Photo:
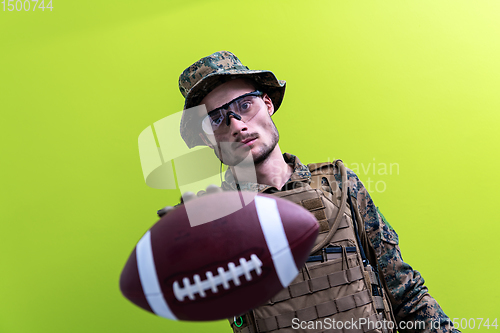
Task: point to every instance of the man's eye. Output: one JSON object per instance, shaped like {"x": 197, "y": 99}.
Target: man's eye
{"x": 215, "y": 118}
{"x": 245, "y": 106}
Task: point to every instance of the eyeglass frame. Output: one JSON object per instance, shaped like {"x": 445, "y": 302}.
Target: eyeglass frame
{"x": 256, "y": 93}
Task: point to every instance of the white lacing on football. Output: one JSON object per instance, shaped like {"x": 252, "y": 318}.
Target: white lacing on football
{"x": 222, "y": 278}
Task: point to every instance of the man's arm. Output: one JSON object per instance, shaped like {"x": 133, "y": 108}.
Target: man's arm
{"x": 411, "y": 300}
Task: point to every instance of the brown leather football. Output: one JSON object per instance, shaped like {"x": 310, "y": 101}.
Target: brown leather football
{"x": 218, "y": 256}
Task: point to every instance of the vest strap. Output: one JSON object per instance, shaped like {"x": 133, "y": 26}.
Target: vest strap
{"x": 340, "y": 214}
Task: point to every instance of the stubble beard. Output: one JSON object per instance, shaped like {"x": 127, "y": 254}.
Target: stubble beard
{"x": 266, "y": 150}
{"x": 230, "y": 159}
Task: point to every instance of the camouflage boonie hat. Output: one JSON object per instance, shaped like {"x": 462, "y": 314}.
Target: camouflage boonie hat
{"x": 206, "y": 74}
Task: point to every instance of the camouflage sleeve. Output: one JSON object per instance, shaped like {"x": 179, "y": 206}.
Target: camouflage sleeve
{"x": 411, "y": 300}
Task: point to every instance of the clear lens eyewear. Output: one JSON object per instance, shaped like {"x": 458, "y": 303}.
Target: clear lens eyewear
{"x": 243, "y": 108}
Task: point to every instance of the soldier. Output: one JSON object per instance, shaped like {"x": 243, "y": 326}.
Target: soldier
{"x": 240, "y": 103}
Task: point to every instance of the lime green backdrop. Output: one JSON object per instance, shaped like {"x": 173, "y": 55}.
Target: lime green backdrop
{"x": 412, "y": 85}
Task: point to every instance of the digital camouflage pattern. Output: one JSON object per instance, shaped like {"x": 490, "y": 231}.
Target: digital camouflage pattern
{"x": 203, "y": 76}
{"x": 410, "y": 298}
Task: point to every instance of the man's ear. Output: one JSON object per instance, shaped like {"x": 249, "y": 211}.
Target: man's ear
{"x": 269, "y": 103}
{"x": 206, "y": 140}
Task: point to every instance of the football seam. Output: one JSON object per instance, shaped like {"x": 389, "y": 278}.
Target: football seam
{"x": 213, "y": 282}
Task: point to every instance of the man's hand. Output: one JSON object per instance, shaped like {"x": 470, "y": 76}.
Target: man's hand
{"x": 187, "y": 196}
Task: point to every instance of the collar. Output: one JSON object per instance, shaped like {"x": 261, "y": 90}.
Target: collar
{"x": 300, "y": 172}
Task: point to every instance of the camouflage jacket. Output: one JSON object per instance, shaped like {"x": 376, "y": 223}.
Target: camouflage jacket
{"x": 411, "y": 300}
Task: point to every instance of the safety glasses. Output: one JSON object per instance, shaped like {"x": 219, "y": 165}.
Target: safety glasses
{"x": 243, "y": 108}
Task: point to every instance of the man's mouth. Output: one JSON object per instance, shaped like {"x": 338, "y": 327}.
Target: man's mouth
{"x": 248, "y": 141}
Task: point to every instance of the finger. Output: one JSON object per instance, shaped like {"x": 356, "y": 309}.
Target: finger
{"x": 188, "y": 196}
{"x": 164, "y": 211}
{"x": 213, "y": 189}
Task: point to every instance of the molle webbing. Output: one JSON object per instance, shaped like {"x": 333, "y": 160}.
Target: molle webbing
{"x": 319, "y": 283}
{"x": 342, "y": 304}
{"x": 361, "y": 328}
{"x": 325, "y": 253}
{"x": 317, "y": 208}
{"x": 302, "y": 194}
{"x": 311, "y": 199}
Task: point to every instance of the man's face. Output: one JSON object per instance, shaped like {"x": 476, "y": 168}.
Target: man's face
{"x": 234, "y": 142}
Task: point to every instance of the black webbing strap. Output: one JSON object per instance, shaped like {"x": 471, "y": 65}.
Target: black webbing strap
{"x": 333, "y": 249}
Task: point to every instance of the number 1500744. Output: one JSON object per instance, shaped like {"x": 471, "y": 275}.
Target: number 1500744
{"x": 472, "y": 323}
{"x": 26, "y": 5}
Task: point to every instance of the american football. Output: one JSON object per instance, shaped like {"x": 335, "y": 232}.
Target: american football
{"x": 218, "y": 256}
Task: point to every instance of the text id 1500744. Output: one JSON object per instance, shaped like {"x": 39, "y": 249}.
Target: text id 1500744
{"x": 26, "y": 5}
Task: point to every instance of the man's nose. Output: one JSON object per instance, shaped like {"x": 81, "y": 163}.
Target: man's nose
{"x": 231, "y": 113}
{"x": 236, "y": 124}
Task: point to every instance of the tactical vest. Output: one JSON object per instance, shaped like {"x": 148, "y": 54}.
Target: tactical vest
{"x": 337, "y": 282}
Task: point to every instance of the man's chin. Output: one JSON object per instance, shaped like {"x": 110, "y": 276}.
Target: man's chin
{"x": 237, "y": 156}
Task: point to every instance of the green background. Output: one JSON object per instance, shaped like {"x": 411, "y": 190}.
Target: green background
{"x": 389, "y": 81}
